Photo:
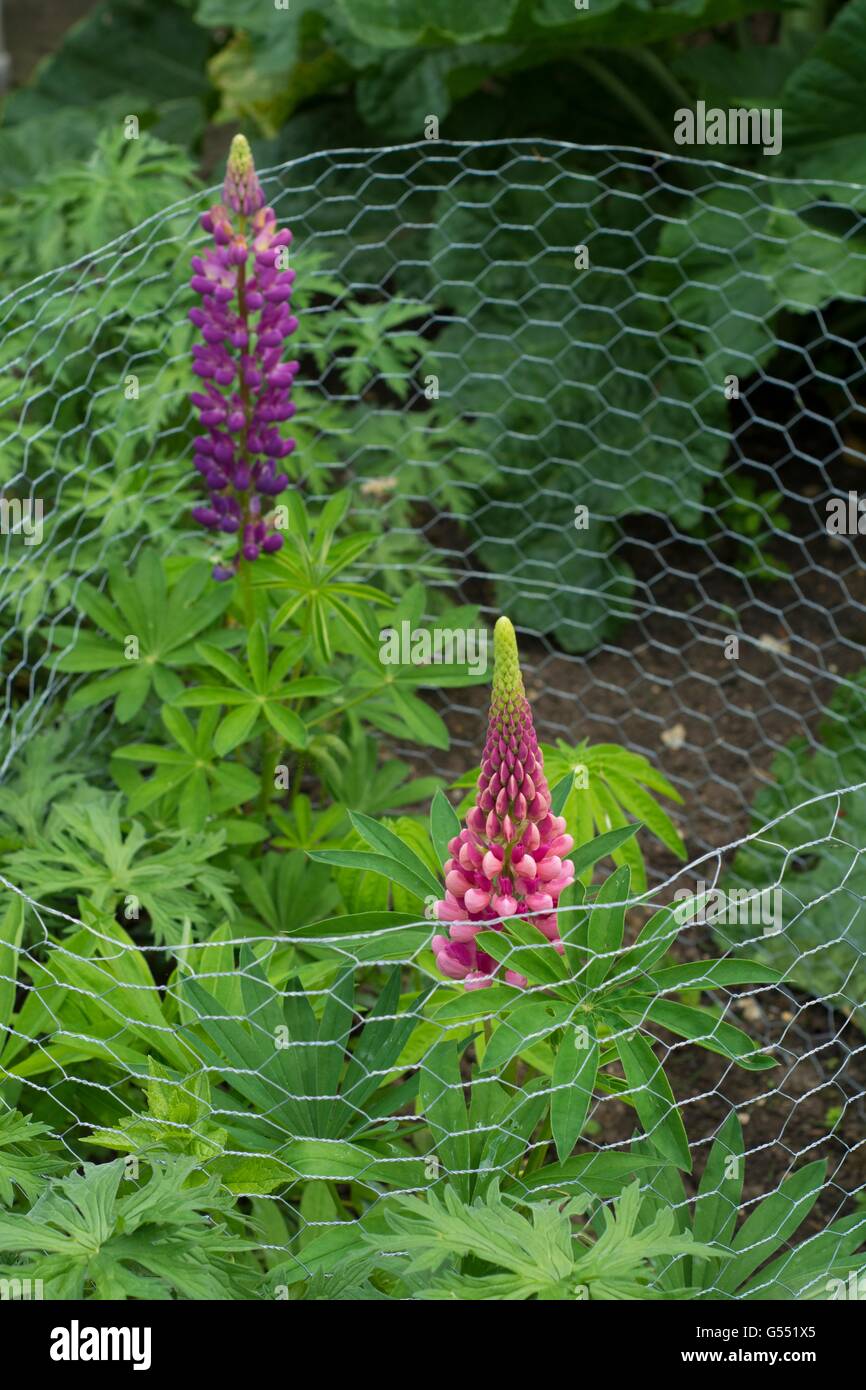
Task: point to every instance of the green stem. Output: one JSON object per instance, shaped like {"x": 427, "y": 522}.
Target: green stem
{"x": 245, "y": 580}
{"x": 627, "y": 99}
{"x": 662, "y": 74}
{"x": 359, "y": 699}
{"x": 266, "y": 782}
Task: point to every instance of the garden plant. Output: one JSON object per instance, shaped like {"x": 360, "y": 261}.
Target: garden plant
{"x": 412, "y": 886}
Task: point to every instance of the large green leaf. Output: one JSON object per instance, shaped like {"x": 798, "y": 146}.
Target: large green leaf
{"x": 153, "y": 54}
{"x": 653, "y": 1099}
{"x": 405, "y": 23}
{"x": 720, "y": 1188}
{"x": 823, "y": 106}
{"x": 574, "y": 1072}
{"x": 771, "y": 1223}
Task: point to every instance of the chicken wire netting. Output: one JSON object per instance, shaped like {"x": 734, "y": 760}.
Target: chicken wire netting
{"x": 613, "y": 394}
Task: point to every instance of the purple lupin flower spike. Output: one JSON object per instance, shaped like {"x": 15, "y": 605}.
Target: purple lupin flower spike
{"x": 509, "y": 860}
{"x": 245, "y": 318}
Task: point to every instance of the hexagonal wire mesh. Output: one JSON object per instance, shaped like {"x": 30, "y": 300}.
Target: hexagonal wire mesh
{"x": 673, "y": 346}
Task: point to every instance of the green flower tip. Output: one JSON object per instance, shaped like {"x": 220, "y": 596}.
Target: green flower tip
{"x": 242, "y": 191}
{"x": 240, "y": 155}
{"x": 507, "y": 680}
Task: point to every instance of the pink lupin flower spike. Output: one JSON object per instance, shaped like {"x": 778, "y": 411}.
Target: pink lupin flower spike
{"x": 509, "y": 859}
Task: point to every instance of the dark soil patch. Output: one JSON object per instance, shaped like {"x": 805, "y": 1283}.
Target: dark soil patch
{"x": 810, "y": 1107}
{"x": 35, "y": 28}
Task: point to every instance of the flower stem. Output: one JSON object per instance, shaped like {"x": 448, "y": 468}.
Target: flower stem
{"x": 266, "y": 782}
{"x": 245, "y": 580}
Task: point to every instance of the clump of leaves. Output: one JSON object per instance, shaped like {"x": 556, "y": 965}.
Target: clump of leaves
{"x": 194, "y": 780}
{"x": 748, "y": 1265}
{"x": 373, "y": 344}
{"x": 89, "y": 847}
{"x": 150, "y": 624}
{"x": 75, "y": 207}
{"x": 27, "y": 1157}
{"x": 753, "y": 518}
{"x": 809, "y": 857}
{"x": 105, "y": 1234}
{"x": 532, "y": 1253}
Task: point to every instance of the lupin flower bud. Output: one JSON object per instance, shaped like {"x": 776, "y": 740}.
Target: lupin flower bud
{"x": 508, "y": 860}
{"x": 242, "y": 191}
{"x": 244, "y": 320}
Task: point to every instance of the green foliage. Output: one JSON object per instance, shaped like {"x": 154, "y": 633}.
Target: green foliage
{"x": 76, "y": 208}
{"x": 92, "y": 1234}
{"x": 754, "y": 517}
{"x": 371, "y": 345}
{"x": 89, "y": 848}
{"x": 260, "y": 1039}
{"x": 689, "y": 280}
{"x": 193, "y": 778}
{"x": 598, "y": 1004}
{"x": 406, "y": 62}
{"x": 539, "y": 1255}
{"x": 27, "y": 1158}
{"x": 810, "y": 860}
{"x": 748, "y": 1265}
{"x": 297, "y": 1097}
{"x": 147, "y": 637}
{"x": 124, "y": 56}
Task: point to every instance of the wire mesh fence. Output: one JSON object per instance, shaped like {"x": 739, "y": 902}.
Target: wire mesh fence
{"x": 617, "y": 396}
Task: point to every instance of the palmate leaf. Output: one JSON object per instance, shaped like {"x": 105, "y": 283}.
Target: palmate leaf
{"x": 391, "y": 857}
{"x": 258, "y": 694}
{"x": 808, "y": 874}
{"x": 178, "y": 1121}
{"x": 194, "y": 781}
{"x": 313, "y": 580}
{"x": 162, "y": 618}
{"x": 285, "y": 891}
{"x": 292, "y": 1074}
{"x": 357, "y": 779}
{"x": 98, "y": 1234}
{"x": 103, "y": 987}
{"x": 421, "y": 454}
{"x": 384, "y": 689}
{"x": 88, "y": 847}
{"x": 531, "y": 1254}
{"x": 770, "y": 1224}
{"x": 620, "y": 785}
{"x": 46, "y": 769}
{"x": 27, "y": 1158}
{"x": 370, "y": 344}
{"x": 742, "y": 1270}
